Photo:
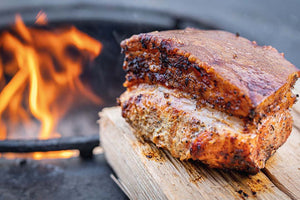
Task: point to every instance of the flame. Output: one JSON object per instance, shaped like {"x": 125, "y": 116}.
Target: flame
{"x": 41, "y": 18}
{"x": 42, "y": 155}
{"x": 40, "y": 74}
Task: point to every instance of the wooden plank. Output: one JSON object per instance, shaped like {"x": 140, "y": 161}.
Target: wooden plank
{"x": 146, "y": 172}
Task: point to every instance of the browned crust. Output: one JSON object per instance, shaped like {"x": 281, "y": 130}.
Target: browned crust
{"x": 231, "y": 73}
{"x": 186, "y": 137}
{"x": 241, "y": 152}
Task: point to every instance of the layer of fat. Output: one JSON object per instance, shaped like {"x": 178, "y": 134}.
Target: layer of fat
{"x": 209, "y": 117}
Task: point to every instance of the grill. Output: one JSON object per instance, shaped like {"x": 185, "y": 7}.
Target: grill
{"x": 84, "y": 144}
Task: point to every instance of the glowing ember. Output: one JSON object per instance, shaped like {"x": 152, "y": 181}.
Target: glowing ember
{"x": 39, "y": 75}
{"x": 42, "y": 155}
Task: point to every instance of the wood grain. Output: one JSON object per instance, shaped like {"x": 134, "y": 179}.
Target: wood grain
{"x": 146, "y": 172}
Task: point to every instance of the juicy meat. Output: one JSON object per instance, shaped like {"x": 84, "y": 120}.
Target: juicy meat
{"x": 228, "y": 72}
{"x": 209, "y": 96}
{"x": 172, "y": 121}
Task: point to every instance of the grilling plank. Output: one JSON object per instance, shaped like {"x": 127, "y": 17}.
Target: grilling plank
{"x": 147, "y": 172}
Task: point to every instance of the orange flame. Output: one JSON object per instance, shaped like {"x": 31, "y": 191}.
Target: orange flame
{"x": 45, "y": 67}
{"x": 41, "y": 18}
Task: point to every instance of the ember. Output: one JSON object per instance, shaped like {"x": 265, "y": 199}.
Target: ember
{"x": 40, "y": 76}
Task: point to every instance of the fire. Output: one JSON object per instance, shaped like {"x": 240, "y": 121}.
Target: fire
{"x": 40, "y": 75}
{"x": 43, "y": 155}
{"x": 41, "y": 18}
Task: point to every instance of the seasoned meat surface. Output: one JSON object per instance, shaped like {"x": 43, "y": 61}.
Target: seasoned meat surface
{"x": 208, "y": 95}
{"x": 172, "y": 121}
{"x": 231, "y": 73}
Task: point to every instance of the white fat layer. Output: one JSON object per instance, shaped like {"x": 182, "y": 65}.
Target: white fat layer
{"x": 209, "y": 117}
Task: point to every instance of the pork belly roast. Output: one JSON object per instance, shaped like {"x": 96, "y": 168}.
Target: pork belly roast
{"x": 211, "y": 96}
